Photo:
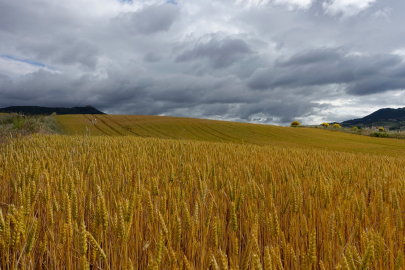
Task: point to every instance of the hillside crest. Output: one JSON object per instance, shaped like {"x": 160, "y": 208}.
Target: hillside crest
{"x": 388, "y": 117}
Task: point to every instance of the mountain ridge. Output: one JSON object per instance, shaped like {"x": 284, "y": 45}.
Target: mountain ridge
{"x": 38, "y": 110}
{"x": 388, "y": 117}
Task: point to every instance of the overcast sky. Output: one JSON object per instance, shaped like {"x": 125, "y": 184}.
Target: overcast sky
{"x": 263, "y": 61}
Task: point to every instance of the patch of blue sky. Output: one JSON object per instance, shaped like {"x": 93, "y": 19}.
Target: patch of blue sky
{"x": 38, "y": 64}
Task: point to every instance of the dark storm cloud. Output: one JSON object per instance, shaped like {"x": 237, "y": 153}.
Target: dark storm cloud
{"x": 65, "y": 51}
{"x": 181, "y": 95}
{"x": 361, "y": 74}
{"x": 149, "y": 20}
{"x": 215, "y": 109}
{"x": 220, "y": 53}
{"x": 323, "y": 55}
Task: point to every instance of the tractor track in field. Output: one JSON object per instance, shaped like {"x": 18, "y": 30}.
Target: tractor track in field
{"x": 124, "y": 127}
{"x": 102, "y": 131}
{"x": 189, "y": 128}
{"x": 231, "y": 138}
{"x": 111, "y": 127}
{"x": 197, "y": 125}
{"x": 104, "y": 122}
{"x": 165, "y": 136}
{"x": 143, "y": 127}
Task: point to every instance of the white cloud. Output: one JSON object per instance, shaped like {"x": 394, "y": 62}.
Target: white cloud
{"x": 289, "y": 3}
{"x": 346, "y": 7}
{"x": 400, "y": 52}
{"x": 347, "y": 107}
{"x": 252, "y": 3}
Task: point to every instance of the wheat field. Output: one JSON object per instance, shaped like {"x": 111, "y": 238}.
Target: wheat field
{"x": 79, "y": 202}
{"x": 164, "y": 127}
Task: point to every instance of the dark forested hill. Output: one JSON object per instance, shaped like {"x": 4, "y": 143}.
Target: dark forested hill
{"x": 393, "y": 118}
{"x": 36, "y": 110}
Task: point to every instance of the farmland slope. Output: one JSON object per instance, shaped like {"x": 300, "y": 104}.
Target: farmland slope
{"x": 222, "y": 131}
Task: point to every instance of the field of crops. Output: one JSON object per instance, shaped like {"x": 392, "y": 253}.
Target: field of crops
{"x": 221, "y": 131}
{"x": 82, "y": 202}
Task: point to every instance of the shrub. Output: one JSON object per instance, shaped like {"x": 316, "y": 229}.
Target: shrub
{"x": 355, "y": 128}
{"x": 336, "y": 126}
{"x": 18, "y": 122}
{"x": 295, "y": 123}
{"x": 381, "y": 129}
{"x": 380, "y": 134}
{"x": 325, "y": 125}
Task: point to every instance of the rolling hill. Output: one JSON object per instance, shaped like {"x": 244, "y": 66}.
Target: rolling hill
{"x": 223, "y": 131}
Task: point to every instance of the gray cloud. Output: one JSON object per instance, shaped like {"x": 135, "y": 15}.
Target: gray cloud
{"x": 149, "y": 20}
{"x": 151, "y": 57}
{"x": 215, "y": 59}
{"x": 66, "y": 51}
{"x": 220, "y": 53}
{"x": 361, "y": 74}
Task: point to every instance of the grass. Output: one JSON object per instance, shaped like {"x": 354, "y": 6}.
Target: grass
{"x": 223, "y": 131}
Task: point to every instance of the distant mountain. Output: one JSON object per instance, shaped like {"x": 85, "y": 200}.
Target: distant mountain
{"x": 392, "y": 118}
{"x": 36, "y": 110}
